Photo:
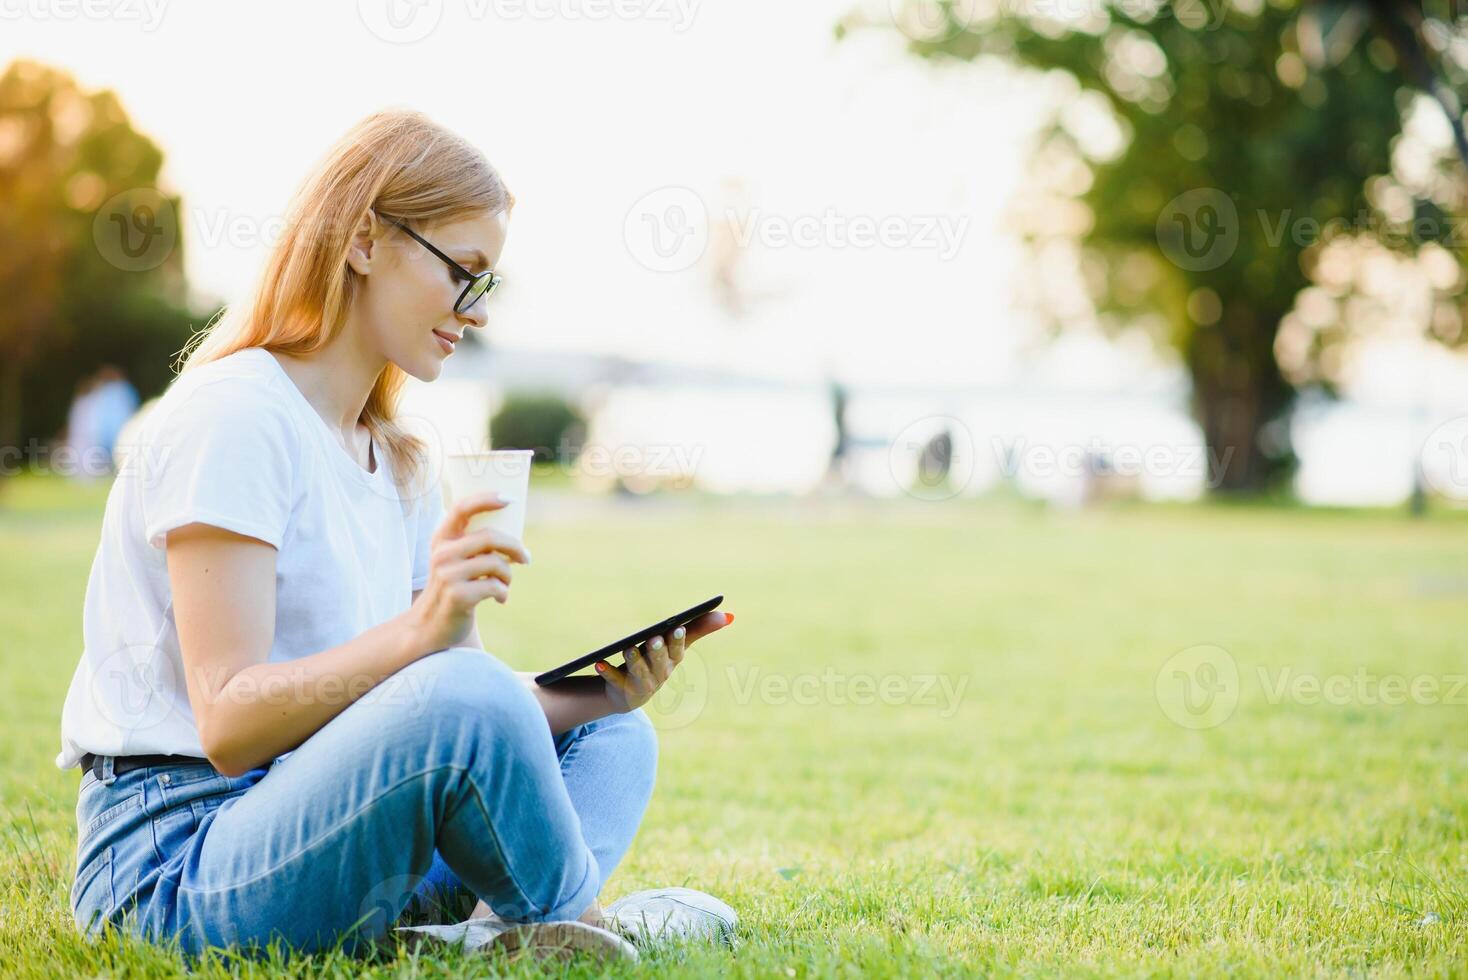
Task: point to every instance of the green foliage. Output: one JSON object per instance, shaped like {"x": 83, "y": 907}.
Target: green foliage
{"x": 1214, "y": 101}
{"x": 75, "y": 177}
{"x": 545, "y": 423}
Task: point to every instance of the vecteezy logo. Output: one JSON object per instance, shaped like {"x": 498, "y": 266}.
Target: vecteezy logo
{"x": 136, "y": 230}
{"x": 429, "y": 476}
{"x": 133, "y": 688}
{"x": 385, "y": 901}
{"x": 682, "y": 698}
{"x": 667, "y": 230}
{"x": 1199, "y": 230}
{"x": 1444, "y": 459}
{"x": 400, "y": 21}
{"x": 933, "y": 21}
{"x": 932, "y": 458}
{"x": 1198, "y": 687}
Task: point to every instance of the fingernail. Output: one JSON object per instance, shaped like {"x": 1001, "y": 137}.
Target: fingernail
{"x": 678, "y": 633}
{"x": 600, "y": 669}
{"x": 728, "y": 618}
{"x": 657, "y": 643}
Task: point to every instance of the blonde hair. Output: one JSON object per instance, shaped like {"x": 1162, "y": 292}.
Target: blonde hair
{"x": 398, "y": 163}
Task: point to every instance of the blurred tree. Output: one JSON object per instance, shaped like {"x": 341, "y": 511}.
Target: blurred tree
{"x": 545, "y": 423}
{"x": 90, "y": 263}
{"x": 1417, "y": 33}
{"x": 1236, "y": 156}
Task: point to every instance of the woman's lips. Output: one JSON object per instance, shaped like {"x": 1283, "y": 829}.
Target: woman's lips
{"x": 446, "y": 341}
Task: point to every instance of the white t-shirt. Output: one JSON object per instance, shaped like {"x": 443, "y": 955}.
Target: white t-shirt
{"x": 235, "y": 444}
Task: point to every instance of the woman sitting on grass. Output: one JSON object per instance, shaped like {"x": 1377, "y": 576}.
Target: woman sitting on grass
{"x": 288, "y": 727}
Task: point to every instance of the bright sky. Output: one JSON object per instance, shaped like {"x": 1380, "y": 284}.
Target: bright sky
{"x": 627, "y": 129}
{"x": 586, "y": 111}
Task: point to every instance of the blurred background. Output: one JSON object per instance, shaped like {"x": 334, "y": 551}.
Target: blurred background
{"x": 1064, "y": 249}
{"x": 1067, "y": 396}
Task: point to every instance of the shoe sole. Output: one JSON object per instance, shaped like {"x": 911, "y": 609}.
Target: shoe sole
{"x": 563, "y": 941}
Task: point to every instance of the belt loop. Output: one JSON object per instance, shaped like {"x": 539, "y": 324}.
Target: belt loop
{"x": 106, "y": 777}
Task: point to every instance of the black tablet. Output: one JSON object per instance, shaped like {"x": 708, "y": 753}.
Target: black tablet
{"x": 666, "y": 626}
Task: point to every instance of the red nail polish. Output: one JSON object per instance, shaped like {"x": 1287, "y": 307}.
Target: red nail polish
{"x": 728, "y": 618}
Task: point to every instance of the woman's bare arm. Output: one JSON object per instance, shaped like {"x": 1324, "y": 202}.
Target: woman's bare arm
{"x": 248, "y": 710}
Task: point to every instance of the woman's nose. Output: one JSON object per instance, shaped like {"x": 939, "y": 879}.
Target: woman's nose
{"x": 475, "y": 316}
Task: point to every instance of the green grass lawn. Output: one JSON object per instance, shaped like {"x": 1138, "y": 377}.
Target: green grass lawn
{"x": 1049, "y": 818}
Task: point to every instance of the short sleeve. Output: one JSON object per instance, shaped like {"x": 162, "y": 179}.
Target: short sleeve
{"x": 428, "y": 514}
{"x": 225, "y": 455}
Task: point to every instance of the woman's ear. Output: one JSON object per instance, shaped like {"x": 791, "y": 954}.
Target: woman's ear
{"x": 364, "y": 238}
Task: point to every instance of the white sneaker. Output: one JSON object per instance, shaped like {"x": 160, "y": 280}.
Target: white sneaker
{"x": 671, "y": 914}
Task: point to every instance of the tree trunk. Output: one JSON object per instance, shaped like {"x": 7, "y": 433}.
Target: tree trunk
{"x": 9, "y": 415}
{"x": 1237, "y": 391}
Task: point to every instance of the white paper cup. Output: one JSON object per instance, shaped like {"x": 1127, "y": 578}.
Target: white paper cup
{"x": 502, "y": 471}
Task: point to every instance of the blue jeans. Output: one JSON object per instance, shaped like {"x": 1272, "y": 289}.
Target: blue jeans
{"x": 441, "y": 784}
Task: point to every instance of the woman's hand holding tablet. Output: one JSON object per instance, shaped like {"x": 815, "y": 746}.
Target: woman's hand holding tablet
{"x": 650, "y": 655}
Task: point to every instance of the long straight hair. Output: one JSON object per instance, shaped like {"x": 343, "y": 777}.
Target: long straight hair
{"x": 398, "y": 163}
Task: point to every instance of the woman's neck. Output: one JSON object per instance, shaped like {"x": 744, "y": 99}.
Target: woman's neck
{"x": 337, "y": 381}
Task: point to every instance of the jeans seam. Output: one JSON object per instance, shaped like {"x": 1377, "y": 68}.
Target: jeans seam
{"x": 509, "y": 872}
{"x": 112, "y": 813}
{"x": 319, "y": 839}
{"x": 88, "y": 873}
{"x": 571, "y": 751}
{"x": 495, "y": 838}
{"x": 351, "y": 818}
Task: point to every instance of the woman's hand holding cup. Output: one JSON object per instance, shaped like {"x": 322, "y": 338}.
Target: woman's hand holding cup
{"x": 465, "y": 567}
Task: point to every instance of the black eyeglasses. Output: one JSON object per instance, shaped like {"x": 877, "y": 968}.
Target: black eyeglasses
{"x": 475, "y": 286}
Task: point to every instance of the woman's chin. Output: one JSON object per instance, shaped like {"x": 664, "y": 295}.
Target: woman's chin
{"x": 424, "y": 369}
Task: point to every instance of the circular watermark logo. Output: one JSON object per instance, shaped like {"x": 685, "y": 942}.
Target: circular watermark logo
{"x": 667, "y": 230}
{"x": 932, "y": 21}
{"x": 1444, "y": 459}
{"x": 434, "y": 448}
{"x": 400, "y": 21}
{"x": 385, "y": 901}
{"x": 932, "y": 458}
{"x": 134, "y": 687}
{"x": 1199, "y": 229}
{"x": 136, "y": 230}
{"x": 682, "y": 697}
{"x": 1198, "y": 687}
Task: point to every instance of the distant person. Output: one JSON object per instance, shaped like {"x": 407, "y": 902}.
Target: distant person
{"x": 841, "y": 448}
{"x": 114, "y": 402}
{"x": 85, "y": 457}
{"x": 287, "y": 725}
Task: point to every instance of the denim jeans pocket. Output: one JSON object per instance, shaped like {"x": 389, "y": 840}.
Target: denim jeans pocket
{"x": 99, "y": 804}
{"x": 179, "y": 799}
{"x": 193, "y": 790}
{"x": 92, "y": 897}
